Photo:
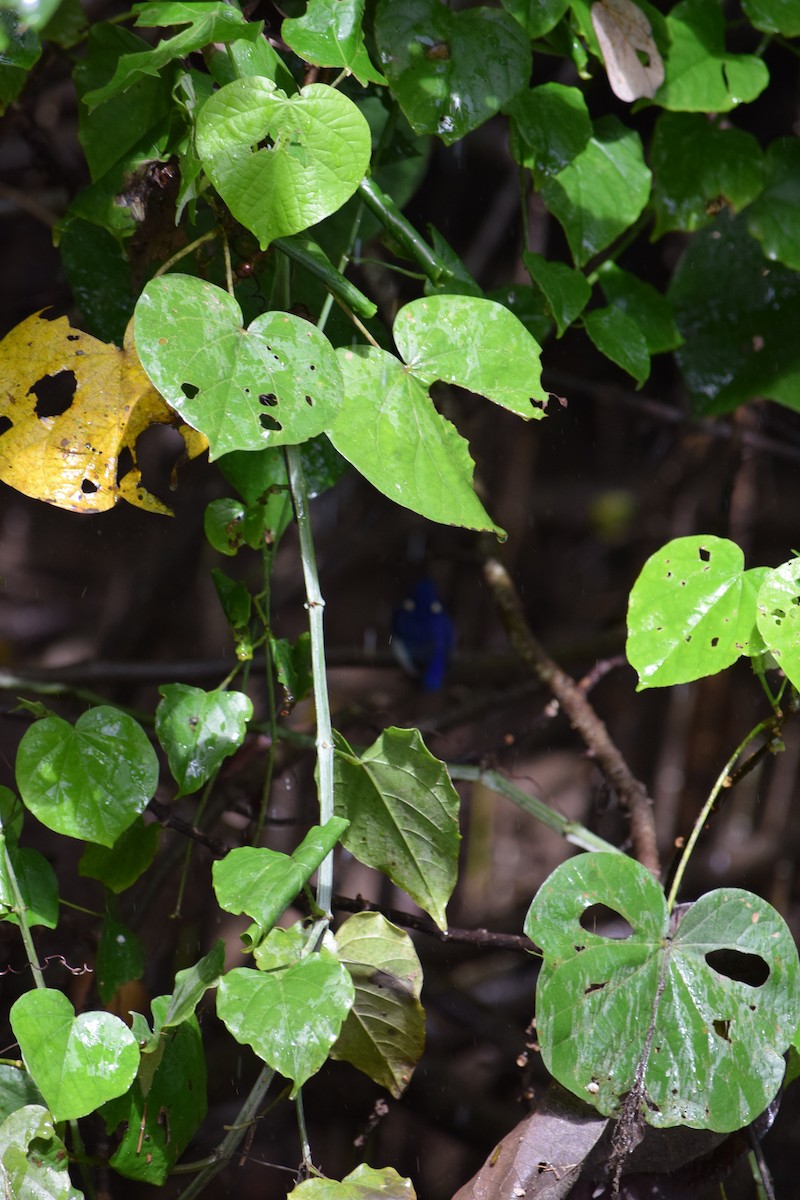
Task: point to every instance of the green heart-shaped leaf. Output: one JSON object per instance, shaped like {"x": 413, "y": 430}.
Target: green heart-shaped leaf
{"x": 318, "y": 153}
{"x": 198, "y": 730}
{"x": 662, "y": 1008}
{"x": 329, "y": 34}
{"x": 76, "y": 1062}
{"x": 276, "y": 383}
{"x": 291, "y": 1017}
{"x": 34, "y": 1163}
{"x": 90, "y": 780}
{"x": 450, "y": 71}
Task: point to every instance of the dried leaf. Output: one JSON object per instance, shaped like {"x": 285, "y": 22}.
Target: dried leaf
{"x": 72, "y": 407}
{"x": 633, "y": 63}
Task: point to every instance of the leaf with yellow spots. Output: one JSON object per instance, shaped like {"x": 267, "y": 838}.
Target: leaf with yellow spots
{"x": 71, "y": 411}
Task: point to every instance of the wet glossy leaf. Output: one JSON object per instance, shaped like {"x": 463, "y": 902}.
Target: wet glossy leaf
{"x": 633, "y": 63}
{"x": 37, "y": 882}
{"x": 699, "y": 168}
{"x": 119, "y": 866}
{"x": 263, "y": 883}
{"x": 692, "y": 611}
{"x": 21, "y": 49}
{"x": 319, "y": 152}
{"x": 536, "y": 17}
{"x": 292, "y": 662}
{"x": 774, "y": 217}
{"x": 90, "y": 780}
{"x": 16, "y": 1090}
{"x": 384, "y": 1033}
{"x": 450, "y": 71}
{"x": 566, "y": 290}
{"x": 403, "y": 814}
{"x": 602, "y": 191}
{"x": 550, "y": 126}
{"x": 77, "y": 1062}
{"x": 778, "y": 616}
{"x": 199, "y": 730}
{"x": 618, "y": 336}
{"x": 737, "y": 314}
{"x": 207, "y": 23}
{"x": 291, "y": 1017}
{"x": 168, "y": 1114}
{"x": 34, "y": 1163}
{"x": 701, "y": 76}
{"x": 362, "y": 1184}
{"x": 774, "y": 16}
{"x": 120, "y": 957}
{"x": 329, "y": 34}
{"x": 704, "y": 1012}
{"x": 71, "y": 407}
{"x": 275, "y": 383}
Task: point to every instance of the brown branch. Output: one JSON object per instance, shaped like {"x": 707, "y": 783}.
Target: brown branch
{"x": 481, "y": 939}
{"x": 582, "y": 716}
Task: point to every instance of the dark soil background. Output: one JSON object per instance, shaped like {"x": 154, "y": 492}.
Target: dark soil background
{"x": 114, "y": 605}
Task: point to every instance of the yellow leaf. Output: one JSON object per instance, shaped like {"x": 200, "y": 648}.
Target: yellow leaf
{"x": 633, "y": 64}
{"x": 70, "y": 405}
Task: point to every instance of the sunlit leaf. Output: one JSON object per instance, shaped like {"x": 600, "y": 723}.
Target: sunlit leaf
{"x": 77, "y": 1062}
{"x": 778, "y": 616}
{"x": 34, "y": 1163}
{"x": 633, "y": 62}
{"x": 701, "y": 75}
{"x": 199, "y": 730}
{"x": 71, "y": 407}
{"x": 362, "y": 1184}
{"x": 329, "y": 34}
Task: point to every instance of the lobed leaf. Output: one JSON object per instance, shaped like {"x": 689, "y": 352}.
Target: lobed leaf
{"x": 692, "y": 1020}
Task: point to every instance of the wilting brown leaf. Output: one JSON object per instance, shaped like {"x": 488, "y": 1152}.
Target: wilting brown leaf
{"x": 633, "y": 63}
{"x": 70, "y": 405}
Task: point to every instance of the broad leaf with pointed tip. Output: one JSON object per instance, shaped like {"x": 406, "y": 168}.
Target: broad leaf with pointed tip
{"x": 403, "y": 813}
{"x": 365, "y": 1183}
{"x": 319, "y": 152}
{"x": 291, "y": 1016}
{"x": 692, "y": 611}
{"x": 690, "y": 1020}
{"x": 276, "y": 383}
{"x": 329, "y": 34}
{"x": 388, "y": 427}
{"x": 450, "y": 71}
{"x": 90, "y": 780}
{"x": 778, "y": 616}
{"x": 76, "y": 1062}
{"x": 199, "y": 730}
{"x": 701, "y": 76}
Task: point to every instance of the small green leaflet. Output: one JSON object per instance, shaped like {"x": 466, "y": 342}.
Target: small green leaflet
{"x": 365, "y": 1183}
{"x": 199, "y": 730}
{"x": 329, "y": 34}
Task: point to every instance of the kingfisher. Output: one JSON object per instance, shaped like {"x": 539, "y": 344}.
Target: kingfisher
{"x": 423, "y": 635}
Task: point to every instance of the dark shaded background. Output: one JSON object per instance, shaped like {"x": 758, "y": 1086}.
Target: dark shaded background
{"x": 121, "y": 602}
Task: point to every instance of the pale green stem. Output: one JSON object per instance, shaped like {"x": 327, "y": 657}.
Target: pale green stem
{"x": 722, "y": 782}
{"x": 21, "y": 911}
{"x": 233, "y": 1138}
{"x": 573, "y": 831}
{"x": 316, "y": 607}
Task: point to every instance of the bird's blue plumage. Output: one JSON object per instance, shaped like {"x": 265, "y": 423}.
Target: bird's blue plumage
{"x": 423, "y": 635}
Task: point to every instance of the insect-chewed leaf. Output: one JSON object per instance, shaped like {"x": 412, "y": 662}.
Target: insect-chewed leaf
{"x": 633, "y": 64}
{"x": 71, "y": 406}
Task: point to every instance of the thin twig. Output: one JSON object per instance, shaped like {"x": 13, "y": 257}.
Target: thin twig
{"x": 580, "y": 712}
{"x": 481, "y": 939}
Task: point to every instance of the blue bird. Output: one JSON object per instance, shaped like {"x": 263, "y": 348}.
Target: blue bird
{"x": 423, "y": 635}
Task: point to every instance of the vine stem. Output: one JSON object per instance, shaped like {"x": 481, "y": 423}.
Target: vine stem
{"x": 723, "y": 781}
{"x": 316, "y": 607}
{"x": 20, "y": 908}
{"x": 227, "y": 1147}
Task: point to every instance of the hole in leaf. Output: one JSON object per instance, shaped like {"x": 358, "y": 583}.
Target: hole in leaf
{"x": 5, "y": 424}
{"x": 578, "y": 949}
{"x": 643, "y": 57}
{"x": 722, "y": 1029}
{"x": 703, "y": 554}
{"x": 714, "y": 643}
{"x": 743, "y": 968}
{"x": 593, "y": 987}
{"x": 605, "y": 922}
{"x": 268, "y": 398}
{"x": 309, "y": 401}
{"x": 189, "y": 390}
{"x": 124, "y": 463}
{"x": 311, "y": 367}
{"x": 269, "y": 423}
{"x": 54, "y": 393}
{"x": 87, "y": 487}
